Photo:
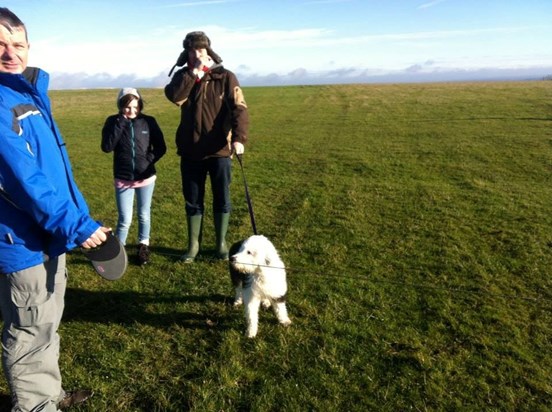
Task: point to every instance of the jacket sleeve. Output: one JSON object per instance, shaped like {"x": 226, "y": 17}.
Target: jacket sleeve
{"x": 180, "y": 86}
{"x": 112, "y": 131}
{"x": 36, "y": 193}
{"x": 157, "y": 140}
{"x": 238, "y": 109}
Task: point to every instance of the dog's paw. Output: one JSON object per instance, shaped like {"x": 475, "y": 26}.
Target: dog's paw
{"x": 285, "y": 322}
{"x": 266, "y": 303}
{"x": 237, "y": 302}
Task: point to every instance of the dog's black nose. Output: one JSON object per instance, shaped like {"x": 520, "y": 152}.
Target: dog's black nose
{"x": 232, "y": 258}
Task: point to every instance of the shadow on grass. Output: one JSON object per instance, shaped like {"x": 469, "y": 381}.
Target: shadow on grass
{"x": 131, "y": 307}
{"x": 168, "y": 252}
{"x": 5, "y": 402}
{"x": 206, "y": 254}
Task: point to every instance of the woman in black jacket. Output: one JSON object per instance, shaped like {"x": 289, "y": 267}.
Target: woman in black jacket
{"x": 137, "y": 143}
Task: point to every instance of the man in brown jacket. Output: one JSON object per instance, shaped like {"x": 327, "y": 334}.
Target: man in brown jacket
{"x": 213, "y": 125}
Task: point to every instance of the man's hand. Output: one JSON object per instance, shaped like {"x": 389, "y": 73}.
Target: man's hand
{"x": 203, "y": 60}
{"x": 97, "y": 238}
{"x": 238, "y": 148}
{"x": 199, "y": 61}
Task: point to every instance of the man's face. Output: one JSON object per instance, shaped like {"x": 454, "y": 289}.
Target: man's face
{"x": 197, "y": 55}
{"x": 14, "y": 50}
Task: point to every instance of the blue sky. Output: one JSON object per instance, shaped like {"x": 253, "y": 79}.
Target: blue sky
{"x": 110, "y": 43}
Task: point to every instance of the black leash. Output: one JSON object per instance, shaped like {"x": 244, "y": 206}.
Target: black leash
{"x": 249, "y": 205}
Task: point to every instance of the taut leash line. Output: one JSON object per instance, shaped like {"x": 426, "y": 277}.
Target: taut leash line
{"x": 248, "y": 198}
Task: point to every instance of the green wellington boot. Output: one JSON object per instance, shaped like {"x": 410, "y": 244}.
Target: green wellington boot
{"x": 195, "y": 224}
{"x": 221, "y": 227}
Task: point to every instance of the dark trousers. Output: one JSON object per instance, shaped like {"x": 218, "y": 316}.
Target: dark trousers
{"x": 194, "y": 176}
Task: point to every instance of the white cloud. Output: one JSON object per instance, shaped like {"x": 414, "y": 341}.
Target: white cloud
{"x": 430, "y": 4}
{"x": 264, "y": 52}
{"x": 318, "y": 2}
{"x": 191, "y": 4}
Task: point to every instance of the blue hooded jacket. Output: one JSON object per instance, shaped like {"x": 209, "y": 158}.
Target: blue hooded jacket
{"x": 42, "y": 212}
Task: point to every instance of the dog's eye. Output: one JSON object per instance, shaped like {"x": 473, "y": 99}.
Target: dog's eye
{"x": 249, "y": 252}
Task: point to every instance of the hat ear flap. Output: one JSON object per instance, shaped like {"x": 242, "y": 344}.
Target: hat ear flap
{"x": 181, "y": 61}
{"x": 216, "y": 58}
{"x": 183, "y": 58}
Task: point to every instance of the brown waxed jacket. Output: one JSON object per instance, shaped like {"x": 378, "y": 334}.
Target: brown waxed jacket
{"x": 213, "y": 113}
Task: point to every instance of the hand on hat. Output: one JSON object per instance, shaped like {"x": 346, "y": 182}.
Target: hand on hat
{"x": 96, "y": 238}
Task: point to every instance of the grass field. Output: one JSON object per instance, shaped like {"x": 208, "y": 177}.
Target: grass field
{"x": 415, "y": 221}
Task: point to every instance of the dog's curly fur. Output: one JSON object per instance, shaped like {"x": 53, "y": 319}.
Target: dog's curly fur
{"x": 258, "y": 276}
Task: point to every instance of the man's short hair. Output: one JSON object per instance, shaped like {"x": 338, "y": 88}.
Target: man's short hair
{"x": 10, "y": 21}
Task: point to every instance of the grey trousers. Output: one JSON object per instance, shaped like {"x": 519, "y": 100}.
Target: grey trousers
{"x": 32, "y": 302}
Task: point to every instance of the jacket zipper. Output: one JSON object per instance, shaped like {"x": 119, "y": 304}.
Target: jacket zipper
{"x": 133, "y": 147}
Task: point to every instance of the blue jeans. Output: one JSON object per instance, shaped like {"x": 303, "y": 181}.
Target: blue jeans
{"x": 194, "y": 175}
{"x": 125, "y": 202}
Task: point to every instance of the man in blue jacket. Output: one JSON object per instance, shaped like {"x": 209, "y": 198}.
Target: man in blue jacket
{"x": 42, "y": 216}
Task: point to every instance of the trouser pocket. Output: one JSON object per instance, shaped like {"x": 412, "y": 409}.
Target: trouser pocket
{"x": 31, "y": 292}
{"x": 39, "y": 310}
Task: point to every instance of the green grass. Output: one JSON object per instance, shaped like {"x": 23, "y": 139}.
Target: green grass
{"x": 415, "y": 221}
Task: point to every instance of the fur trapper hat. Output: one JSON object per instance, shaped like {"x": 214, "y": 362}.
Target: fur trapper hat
{"x": 195, "y": 40}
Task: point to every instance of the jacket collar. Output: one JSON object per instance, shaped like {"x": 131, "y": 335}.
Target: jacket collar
{"x": 31, "y": 78}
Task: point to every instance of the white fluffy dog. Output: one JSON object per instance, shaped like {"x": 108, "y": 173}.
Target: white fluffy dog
{"x": 259, "y": 276}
